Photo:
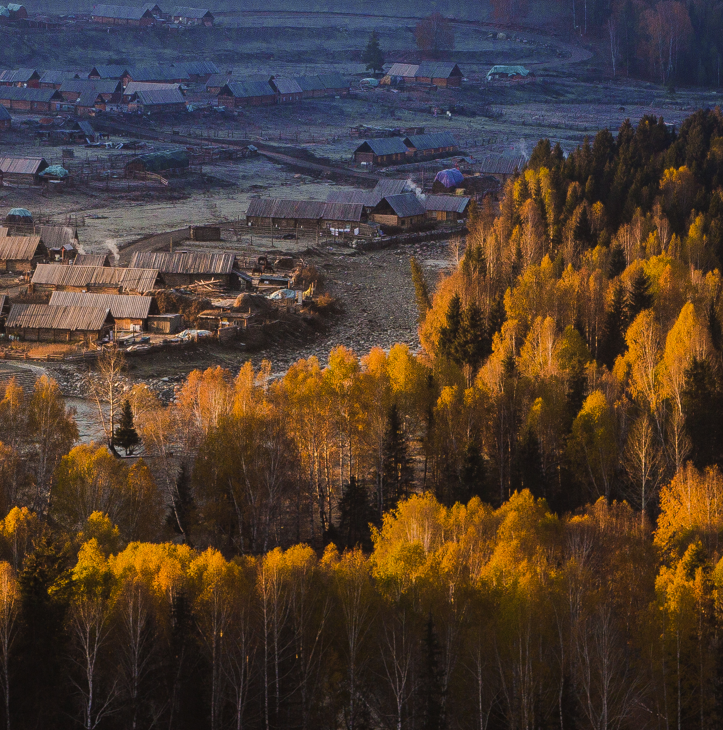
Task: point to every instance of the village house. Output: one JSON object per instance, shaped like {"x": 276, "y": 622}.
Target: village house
{"x": 45, "y": 101}
{"x": 109, "y": 89}
{"x": 158, "y": 101}
{"x": 21, "y": 253}
{"x": 300, "y": 215}
{"x": 446, "y": 207}
{"x": 129, "y": 311}
{"x": 122, "y": 15}
{"x": 55, "y": 79}
{"x": 200, "y": 71}
{"x": 381, "y": 151}
{"x": 439, "y": 73}
{"x": 135, "y": 86}
{"x": 165, "y": 324}
{"x": 22, "y": 170}
{"x": 6, "y": 120}
{"x": 246, "y": 93}
{"x": 17, "y": 12}
{"x": 431, "y": 145}
{"x": 182, "y": 269}
{"x": 215, "y": 82}
{"x": 21, "y": 77}
{"x": 192, "y": 16}
{"x": 108, "y": 71}
{"x": 101, "y": 279}
{"x": 46, "y": 323}
{"x": 334, "y": 84}
{"x": 501, "y": 167}
{"x": 89, "y": 102}
{"x": 404, "y": 211}
{"x": 287, "y": 90}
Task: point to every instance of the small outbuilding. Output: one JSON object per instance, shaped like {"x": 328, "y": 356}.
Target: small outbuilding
{"x": 21, "y": 253}
{"x": 246, "y": 93}
{"x": 422, "y": 146}
{"x": 446, "y": 207}
{"x": 22, "y": 171}
{"x": 509, "y": 74}
{"x": 192, "y": 16}
{"x": 158, "y": 101}
{"x": 91, "y": 259}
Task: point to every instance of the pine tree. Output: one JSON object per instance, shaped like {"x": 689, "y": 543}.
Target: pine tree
{"x": 430, "y": 687}
{"x": 373, "y": 56}
{"x": 616, "y": 319}
{"x": 421, "y": 291}
{"x": 355, "y": 514}
{"x": 449, "y": 334}
{"x": 473, "y": 474}
{"x": 702, "y": 406}
{"x": 639, "y": 297}
{"x": 126, "y": 435}
{"x": 616, "y": 265}
{"x": 397, "y": 466}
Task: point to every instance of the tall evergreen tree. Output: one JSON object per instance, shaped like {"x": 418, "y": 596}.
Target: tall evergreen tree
{"x": 431, "y": 685}
{"x": 449, "y": 334}
{"x": 616, "y": 319}
{"x": 355, "y": 515}
{"x": 126, "y": 435}
{"x": 702, "y": 406}
{"x": 397, "y": 474}
{"x": 639, "y": 296}
{"x": 373, "y": 56}
{"x": 617, "y": 264}
{"x": 421, "y": 291}
{"x": 473, "y": 474}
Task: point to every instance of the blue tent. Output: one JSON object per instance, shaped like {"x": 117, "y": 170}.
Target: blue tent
{"x": 450, "y": 178}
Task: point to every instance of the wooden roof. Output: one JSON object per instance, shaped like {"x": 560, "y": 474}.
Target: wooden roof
{"x": 185, "y": 263}
{"x": 20, "y": 248}
{"x": 140, "y": 280}
{"x": 46, "y": 316}
{"x": 121, "y": 306}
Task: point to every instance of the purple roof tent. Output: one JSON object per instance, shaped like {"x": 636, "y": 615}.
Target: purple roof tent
{"x": 449, "y": 178}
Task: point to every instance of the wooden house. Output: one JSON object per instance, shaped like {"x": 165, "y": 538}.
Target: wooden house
{"x": 182, "y": 269}
{"x": 246, "y": 93}
{"x": 192, "y": 16}
{"x": 199, "y": 71}
{"x": 108, "y": 71}
{"x": 101, "y": 279}
{"x": 334, "y": 84}
{"x": 122, "y": 15}
{"x": 287, "y": 90}
{"x": 501, "y": 167}
{"x": 169, "y": 161}
{"x": 21, "y": 253}
{"x": 5, "y": 119}
{"x": 109, "y": 89}
{"x": 89, "y": 102}
{"x": 382, "y": 151}
{"x": 216, "y": 82}
{"x": 21, "y": 77}
{"x": 61, "y": 242}
{"x": 17, "y": 12}
{"x": 404, "y": 211}
{"x": 129, "y": 311}
{"x": 446, "y": 207}
{"x": 92, "y": 259}
{"x": 167, "y": 324}
{"x": 47, "y": 323}
{"x": 439, "y": 73}
{"x": 54, "y": 79}
{"x": 135, "y": 86}
{"x": 22, "y": 170}
{"x": 158, "y": 101}
{"x": 44, "y": 101}
{"x": 422, "y": 146}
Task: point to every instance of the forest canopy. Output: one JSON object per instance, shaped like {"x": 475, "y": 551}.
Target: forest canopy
{"x": 517, "y": 527}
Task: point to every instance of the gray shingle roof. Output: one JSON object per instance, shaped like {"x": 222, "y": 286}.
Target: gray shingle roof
{"x": 16, "y": 93}
{"x": 304, "y": 209}
{"x": 140, "y": 280}
{"x": 383, "y": 146}
{"x": 19, "y": 248}
{"x": 121, "y": 306}
{"x": 185, "y": 263}
{"x": 120, "y": 12}
{"x": 160, "y": 96}
{"x": 248, "y": 89}
{"x": 102, "y": 86}
{"x": 45, "y": 316}
{"x": 405, "y": 205}
{"x": 287, "y": 86}
{"x": 448, "y": 203}
{"x": 432, "y": 141}
{"x": 437, "y": 70}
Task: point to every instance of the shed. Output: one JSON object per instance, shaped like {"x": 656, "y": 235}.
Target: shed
{"x": 404, "y": 210}
{"x": 215, "y": 82}
{"x": 6, "y": 120}
{"x": 21, "y": 253}
{"x": 22, "y": 170}
{"x": 288, "y": 90}
{"x": 334, "y": 84}
{"x": 285, "y": 214}
{"x": 169, "y": 161}
{"x": 381, "y": 151}
{"x": 181, "y": 269}
{"x": 192, "y": 16}
{"x": 167, "y": 324}
{"x": 55, "y": 237}
{"x": 102, "y": 279}
{"x": 401, "y": 71}
{"x": 246, "y": 93}
{"x": 122, "y": 15}
{"x": 47, "y": 323}
{"x": 430, "y": 145}
{"x": 130, "y": 312}
{"x": 30, "y": 100}
{"x": 446, "y": 207}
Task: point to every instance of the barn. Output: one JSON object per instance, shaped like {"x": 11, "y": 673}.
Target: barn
{"x": 22, "y": 170}
{"x": 135, "y": 86}
{"x": 215, "y": 82}
{"x": 158, "y": 101}
{"x": 381, "y": 151}
{"x": 404, "y": 211}
{"x": 89, "y": 102}
{"x": 446, "y": 207}
{"x": 21, "y": 253}
{"x": 182, "y": 269}
{"x": 45, "y": 101}
{"x": 47, "y": 323}
{"x": 54, "y": 79}
{"x": 431, "y": 145}
{"x": 334, "y": 84}
{"x": 122, "y": 15}
{"x": 285, "y": 214}
{"x": 192, "y": 16}
{"x": 101, "y": 279}
{"x": 73, "y": 89}
{"x": 130, "y": 312}
{"x": 246, "y": 93}
{"x": 200, "y": 71}
{"x": 21, "y": 77}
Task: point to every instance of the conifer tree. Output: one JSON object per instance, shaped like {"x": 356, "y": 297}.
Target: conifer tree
{"x": 473, "y": 475}
{"x": 126, "y": 435}
{"x": 421, "y": 291}
{"x": 616, "y": 265}
{"x": 397, "y": 466}
{"x": 616, "y": 319}
{"x": 355, "y": 514}
{"x": 373, "y": 56}
{"x": 639, "y": 296}
{"x": 431, "y": 692}
{"x": 449, "y": 334}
